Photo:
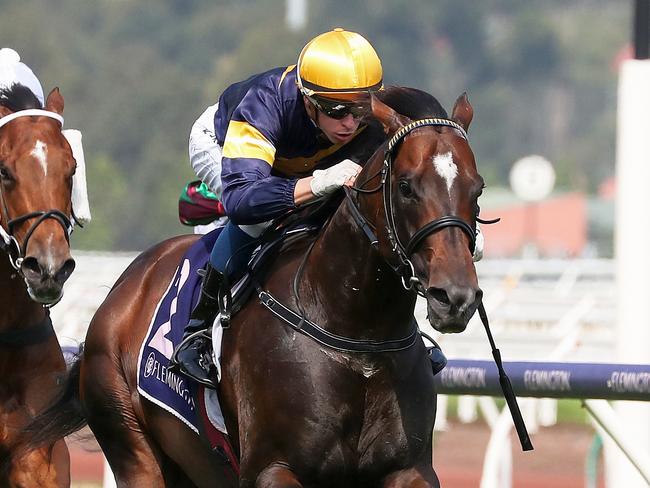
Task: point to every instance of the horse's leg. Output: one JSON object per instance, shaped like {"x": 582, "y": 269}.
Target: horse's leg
{"x": 277, "y": 476}
{"x": 107, "y": 401}
{"x": 189, "y": 452}
{"x": 423, "y": 477}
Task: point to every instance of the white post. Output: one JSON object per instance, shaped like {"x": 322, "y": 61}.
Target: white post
{"x": 619, "y": 433}
{"x": 632, "y": 250}
{"x": 296, "y": 17}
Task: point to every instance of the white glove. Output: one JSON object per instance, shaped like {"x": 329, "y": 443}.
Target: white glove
{"x": 328, "y": 180}
{"x": 479, "y": 243}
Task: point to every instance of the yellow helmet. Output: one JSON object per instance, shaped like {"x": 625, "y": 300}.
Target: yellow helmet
{"x": 339, "y": 64}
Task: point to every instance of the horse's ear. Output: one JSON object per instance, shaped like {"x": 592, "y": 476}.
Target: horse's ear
{"x": 4, "y": 111}
{"x": 391, "y": 120}
{"x": 463, "y": 111}
{"x": 54, "y": 102}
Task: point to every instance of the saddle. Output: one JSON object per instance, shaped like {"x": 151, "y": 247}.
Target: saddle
{"x": 304, "y": 223}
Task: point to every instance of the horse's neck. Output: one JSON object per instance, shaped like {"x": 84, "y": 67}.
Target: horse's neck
{"x": 346, "y": 277}
{"x": 16, "y": 308}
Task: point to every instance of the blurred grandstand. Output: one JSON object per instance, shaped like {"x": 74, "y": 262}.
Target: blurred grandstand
{"x": 537, "y": 308}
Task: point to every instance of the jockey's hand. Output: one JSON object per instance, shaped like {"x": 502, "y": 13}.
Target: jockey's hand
{"x": 326, "y": 181}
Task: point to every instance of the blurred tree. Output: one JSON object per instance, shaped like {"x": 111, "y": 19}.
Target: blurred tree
{"x": 107, "y": 193}
{"x": 136, "y": 74}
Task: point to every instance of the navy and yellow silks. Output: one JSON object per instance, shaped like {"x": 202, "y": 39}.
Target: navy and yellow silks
{"x": 268, "y": 142}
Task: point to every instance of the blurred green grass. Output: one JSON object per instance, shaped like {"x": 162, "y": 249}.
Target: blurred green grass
{"x": 568, "y": 411}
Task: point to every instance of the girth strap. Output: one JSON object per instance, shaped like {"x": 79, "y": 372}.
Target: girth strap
{"x": 340, "y": 343}
{"x": 28, "y": 336}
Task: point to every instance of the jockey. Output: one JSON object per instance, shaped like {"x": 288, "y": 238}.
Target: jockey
{"x": 262, "y": 153}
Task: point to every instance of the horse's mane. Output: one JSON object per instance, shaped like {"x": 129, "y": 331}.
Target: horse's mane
{"x": 18, "y": 97}
{"x": 414, "y": 103}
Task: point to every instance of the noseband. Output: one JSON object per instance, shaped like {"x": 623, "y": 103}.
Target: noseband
{"x": 405, "y": 270}
{"x": 16, "y": 251}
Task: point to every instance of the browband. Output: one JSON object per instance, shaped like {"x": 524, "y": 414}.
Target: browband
{"x": 32, "y": 112}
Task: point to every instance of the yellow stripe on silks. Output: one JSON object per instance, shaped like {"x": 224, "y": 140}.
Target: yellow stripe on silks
{"x": 245, "y": 141}
{"x": 303, "y": 166}
{"x": 286, "y": 72}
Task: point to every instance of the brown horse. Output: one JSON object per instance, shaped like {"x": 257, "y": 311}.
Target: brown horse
{"x": 36, "y": 168}
{"x": 355, "y": 407}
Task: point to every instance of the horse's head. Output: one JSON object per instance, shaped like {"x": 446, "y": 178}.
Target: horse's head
{"x": 429, "y": 209}
{"x": 36, "y": 169}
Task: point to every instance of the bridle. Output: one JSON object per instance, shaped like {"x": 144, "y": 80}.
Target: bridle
{"x": 405, "y": 269}
{"x": 300, "y": 322}
{"x": 16, "y": 251}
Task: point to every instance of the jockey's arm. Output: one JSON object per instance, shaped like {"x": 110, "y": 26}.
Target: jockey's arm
{"x": 253, "y": 195}
{"x": 302, "y": 192}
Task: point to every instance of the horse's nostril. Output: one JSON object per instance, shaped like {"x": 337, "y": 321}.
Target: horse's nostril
{"x": 30, "y": 267}
{"x": 65, "y": 271}
{"x": 459, "y": 297}
{"x": 439, "y": 295}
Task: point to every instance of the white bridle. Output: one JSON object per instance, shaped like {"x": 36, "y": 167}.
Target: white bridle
{"x": 32, "y": 112}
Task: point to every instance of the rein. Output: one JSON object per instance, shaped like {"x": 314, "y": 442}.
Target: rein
{"x": 9, "y": 244}
{"x": 406, "y": 270}
{"x": 405, "y": 251}
{"x": 299, "y": 321}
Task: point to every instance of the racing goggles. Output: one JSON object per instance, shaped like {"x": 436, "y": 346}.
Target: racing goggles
{"x": 337, "y": 109}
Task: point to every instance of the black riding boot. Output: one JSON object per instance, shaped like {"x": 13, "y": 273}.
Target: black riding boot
{"x": 193, "y": 355}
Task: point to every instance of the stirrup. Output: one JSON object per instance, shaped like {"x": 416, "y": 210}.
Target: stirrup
{"x": 186, "y": 341}
{"x": 199, "y": 365}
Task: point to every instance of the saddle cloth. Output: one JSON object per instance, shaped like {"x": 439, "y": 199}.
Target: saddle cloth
{"x": 170, "y": 391}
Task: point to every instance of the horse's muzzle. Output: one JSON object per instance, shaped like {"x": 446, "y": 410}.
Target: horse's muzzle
{"x": 449, "y": 309}
{"x": 45, "y": 283}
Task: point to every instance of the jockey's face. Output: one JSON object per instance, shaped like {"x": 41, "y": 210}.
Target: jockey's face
{"x": 338, "y": 131}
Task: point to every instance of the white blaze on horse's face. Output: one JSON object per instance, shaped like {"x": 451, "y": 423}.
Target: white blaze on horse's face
{"x": 446, "y": 168}
{"x": 40, "y": 153}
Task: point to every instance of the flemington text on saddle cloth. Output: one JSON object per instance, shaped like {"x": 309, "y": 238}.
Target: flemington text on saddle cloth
{"x": 171, "y": 391}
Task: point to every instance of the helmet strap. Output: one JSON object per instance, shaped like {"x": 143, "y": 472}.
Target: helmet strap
{"x": 311, "y": 109}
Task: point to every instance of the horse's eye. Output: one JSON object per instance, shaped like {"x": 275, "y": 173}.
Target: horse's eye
{"x": 405, "y": 188}
{"x": 5, "y": 174}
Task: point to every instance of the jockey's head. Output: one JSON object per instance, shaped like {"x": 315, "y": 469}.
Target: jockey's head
{"x": 337, "y": 71}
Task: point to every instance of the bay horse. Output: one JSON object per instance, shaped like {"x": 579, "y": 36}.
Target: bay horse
{"x": 355, "y": 411}
{"x": 36, "y": 169}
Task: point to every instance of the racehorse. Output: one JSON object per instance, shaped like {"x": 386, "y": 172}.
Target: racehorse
{"x": 36, "y": 168}
{"x": 355, "y": 408}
